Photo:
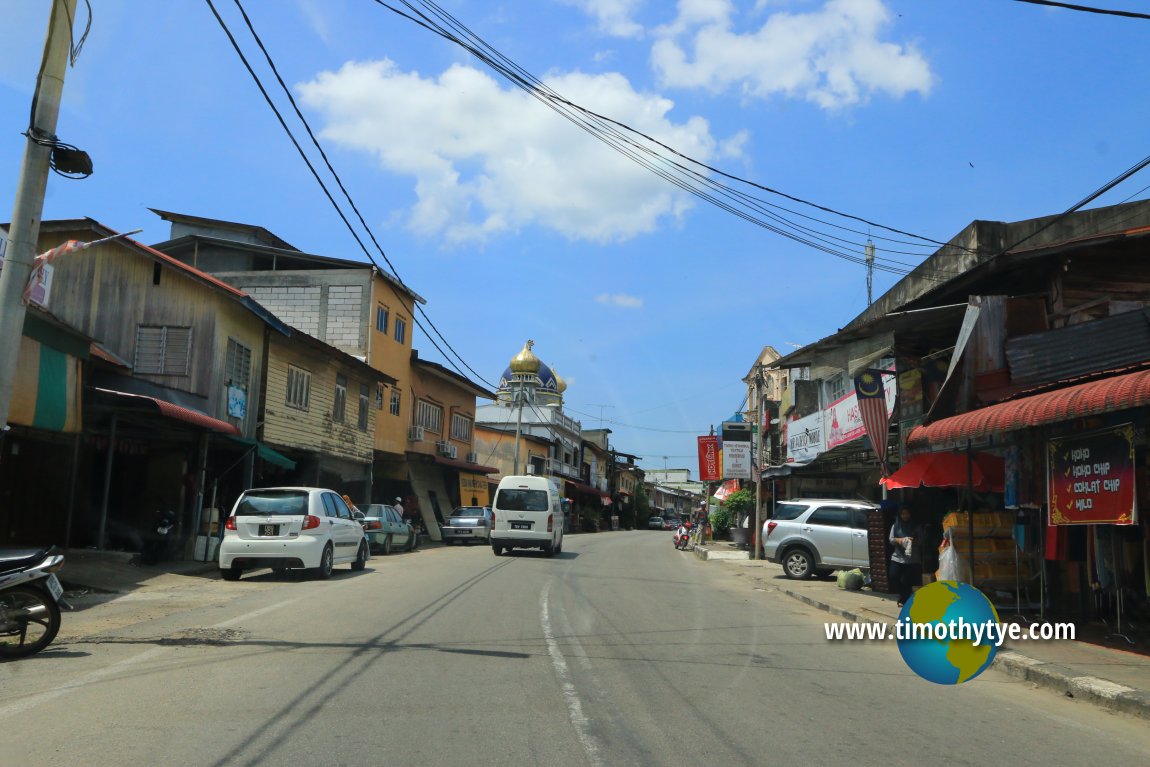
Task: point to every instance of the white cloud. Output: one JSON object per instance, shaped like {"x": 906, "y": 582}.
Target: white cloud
{"x": 614, "y": 16}
{"x": 488, "y": 160}
{"x": 621, "y": 300}
{"x": 833, "y": 57}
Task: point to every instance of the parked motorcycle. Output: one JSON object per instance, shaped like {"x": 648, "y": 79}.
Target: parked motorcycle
{"x": 683, "y": 540}
{"x": 30, "y": 600}
{"x": 157, "y": 546}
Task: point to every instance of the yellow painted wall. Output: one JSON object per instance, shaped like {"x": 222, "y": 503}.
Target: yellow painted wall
{"x": 452, "y": 399}
{"x": 314, "y": 429}
{"x": 394, "y": 358}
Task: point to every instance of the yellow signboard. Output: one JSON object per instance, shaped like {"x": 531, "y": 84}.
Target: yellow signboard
{"x": 473, "y": 490}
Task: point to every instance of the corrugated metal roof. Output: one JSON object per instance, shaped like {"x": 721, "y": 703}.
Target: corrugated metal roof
{"x": 1076, "y": 350}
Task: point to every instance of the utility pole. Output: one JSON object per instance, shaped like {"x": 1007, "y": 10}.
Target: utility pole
{"x": 869, "y": 272}
{"x": 518, "y": 427}
{"x": 29, "y": 203}
{"x": 759, "y": 410}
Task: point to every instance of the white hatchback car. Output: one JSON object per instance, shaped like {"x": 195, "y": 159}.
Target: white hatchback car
{"x": 291, "y": 528}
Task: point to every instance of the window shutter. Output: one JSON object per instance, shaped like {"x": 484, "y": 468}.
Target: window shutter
{"x": 177, "y": 351}
{"x": 149, "y": 350}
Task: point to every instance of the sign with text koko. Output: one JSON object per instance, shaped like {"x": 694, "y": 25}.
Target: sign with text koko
{"x": 1091, "y": 478}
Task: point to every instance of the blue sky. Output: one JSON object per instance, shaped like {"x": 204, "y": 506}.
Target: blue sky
{"x": 514, "y": 224}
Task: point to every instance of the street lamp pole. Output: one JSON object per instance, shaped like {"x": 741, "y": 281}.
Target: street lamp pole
{"x": 518, "y": 425}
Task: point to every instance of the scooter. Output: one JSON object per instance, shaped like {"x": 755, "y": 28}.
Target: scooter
{"x": 157, "y": 546}
{"x": 683, "y": 540}
{"x": 30, "y": 600}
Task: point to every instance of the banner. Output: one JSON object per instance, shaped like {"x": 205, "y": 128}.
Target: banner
{"x": 728, "y": 487}
{"x": 1091, "y": 478}
{"x": 710, "y": 460}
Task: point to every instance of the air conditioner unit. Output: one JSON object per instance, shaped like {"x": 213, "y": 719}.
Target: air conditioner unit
{"x": 415, "y": 433}
{"x": 452, "y": 451}
{"x": 443, "y": 448}
{"x": 473, "y": 457}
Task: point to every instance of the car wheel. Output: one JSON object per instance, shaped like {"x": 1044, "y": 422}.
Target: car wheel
{"x": 323, "y": 572}
{"x": 498, "y": 550}
{"x": 797, "y": 564}
{"x": 410, "y": 542}
{"x": 548, "y": 549}
{"x": 559, "y": 548}
{"x": 231, "y": 573}
{"x": 360, "y": 557}
{"x": 387, "y": 545}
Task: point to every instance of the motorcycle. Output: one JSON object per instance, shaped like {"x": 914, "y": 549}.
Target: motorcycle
{"x": 683, "y": 540}
{"x": 30, "y": 600}
{"x": 158, "y": 544}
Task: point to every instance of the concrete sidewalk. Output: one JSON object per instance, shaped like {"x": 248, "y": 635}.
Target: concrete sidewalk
{"x": 1106, "y": 676}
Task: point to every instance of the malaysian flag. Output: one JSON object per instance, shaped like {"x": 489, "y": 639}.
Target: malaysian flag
{"x": 871, "y": 396}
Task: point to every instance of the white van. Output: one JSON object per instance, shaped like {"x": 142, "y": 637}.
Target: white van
{"x": 527, "y": 515}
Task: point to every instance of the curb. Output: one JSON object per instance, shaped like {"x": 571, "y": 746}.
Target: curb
{"x": 1090, "y": 689}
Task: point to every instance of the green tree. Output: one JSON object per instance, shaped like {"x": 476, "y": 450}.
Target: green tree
{"x": 740, "y": 503}
{"x": 720, "y": 518}
{"x": 642, "y": 503}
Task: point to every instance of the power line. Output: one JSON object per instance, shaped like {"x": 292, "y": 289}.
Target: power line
{"x": 319, "y": 180}
{"x": 617, "y": 135}
{"x": 1088, "y": 9}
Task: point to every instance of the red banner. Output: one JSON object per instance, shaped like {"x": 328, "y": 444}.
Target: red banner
{"x": 1092, "y": 478}
{"x": 710, "y": 460}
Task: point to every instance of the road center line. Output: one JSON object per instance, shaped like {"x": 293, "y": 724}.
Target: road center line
{"x": 570, "y": 694}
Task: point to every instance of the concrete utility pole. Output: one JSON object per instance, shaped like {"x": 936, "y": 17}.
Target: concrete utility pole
{"x": 29, "y": 204}
{"x": 759, "y": 411}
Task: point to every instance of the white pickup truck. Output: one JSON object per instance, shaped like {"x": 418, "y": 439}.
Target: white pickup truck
{"x": 468, "y": 523}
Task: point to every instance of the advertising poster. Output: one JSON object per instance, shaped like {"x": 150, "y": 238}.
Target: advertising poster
{"x": 710, "y": 460}
{"x": 805, "y": 438}
{"x": 473, "y": 490}
{"x": 843, "y": 419}
{"x": 1091, "y": 478}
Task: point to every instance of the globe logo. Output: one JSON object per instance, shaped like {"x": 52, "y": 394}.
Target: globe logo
{"x": 949, "y": 660}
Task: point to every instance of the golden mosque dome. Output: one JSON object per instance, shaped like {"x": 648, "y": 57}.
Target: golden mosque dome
{"x": 525, "y": 361}
{"x": 560, "y": 384}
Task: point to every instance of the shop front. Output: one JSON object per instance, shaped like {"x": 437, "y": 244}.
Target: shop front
{"x": 1065, "y": 535}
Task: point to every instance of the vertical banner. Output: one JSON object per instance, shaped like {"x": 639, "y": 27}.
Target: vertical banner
{"x": 872, "y": 410}
{"x": 736, "y": 445}
{"x": 710, "y": 462}
{"x": 1091, "y": 478}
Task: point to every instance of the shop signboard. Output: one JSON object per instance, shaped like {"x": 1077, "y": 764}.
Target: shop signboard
{"x": 710, "y": 459}
{"x": 736, "y": 459}
{"x": 473, "y": 489}
{"x": 1091, "y": 478}
{"x": 805, "y": 438}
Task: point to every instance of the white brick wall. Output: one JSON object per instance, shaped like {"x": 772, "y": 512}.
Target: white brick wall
{"x": 297, "y": 306}
{"x": 344, "y": 316}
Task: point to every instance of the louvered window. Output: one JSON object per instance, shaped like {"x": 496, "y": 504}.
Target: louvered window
{"x": 238, "y": 364}
{"x": 163, "y": 350}
{"x": 339, "y": 411}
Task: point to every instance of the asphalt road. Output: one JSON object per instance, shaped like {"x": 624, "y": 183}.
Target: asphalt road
{"x": 620, "y": 651}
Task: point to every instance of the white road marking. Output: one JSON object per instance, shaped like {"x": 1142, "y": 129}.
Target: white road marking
{"x": 570, "y": 694}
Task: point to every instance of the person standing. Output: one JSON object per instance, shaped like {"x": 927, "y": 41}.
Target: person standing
{"x": 398, "y": 505}
{"x": 904, "y": 537}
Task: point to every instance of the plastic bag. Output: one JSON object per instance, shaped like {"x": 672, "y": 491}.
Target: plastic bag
{"x": 850, "y": 580}
{"x": 951, "y": 567}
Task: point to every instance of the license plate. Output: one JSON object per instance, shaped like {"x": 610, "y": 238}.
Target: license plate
{"x": 54, "y": 587}
{"x": 520, "y": 525}
{"x": 269, "y": 529}
{"x": 462, "y": 532}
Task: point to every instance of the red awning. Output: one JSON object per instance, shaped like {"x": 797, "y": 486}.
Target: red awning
{"x": 176, "y": 412}
{"x": 1093, "y": 398}
{"x": 474, "y": 468}
{"x": 986, "y": 472}
{"x": 580, "y": 487}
